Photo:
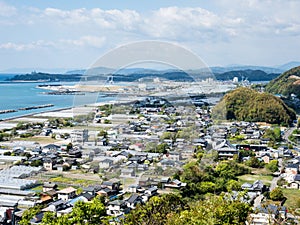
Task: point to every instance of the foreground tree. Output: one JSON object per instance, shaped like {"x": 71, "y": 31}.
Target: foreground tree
{"x": 276, "y": 194}
{"x": 214, "y": 210}
{"x": 83, "y": 213}
{"x": 155, "y": 211}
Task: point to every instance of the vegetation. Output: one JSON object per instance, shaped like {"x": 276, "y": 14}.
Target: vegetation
{"x": 46, "y": 76}
{"x": 212, "y": 210}
{"x": 155, "y": 211}
{"x": 293, "y": 201}
{"x": 251, "y": 75}
{"x": 254, "y": 162}
{"x": 171, "y": 210}
{"x": 294, "y": 136}
{"x": 245, "y": 104}
{"x": 286, "y": 84}
{"x": 272, "y": 166}
{"x": 82, "y": 213}
{"x": 204, "y": 178}
{"x": 276, "y": 194}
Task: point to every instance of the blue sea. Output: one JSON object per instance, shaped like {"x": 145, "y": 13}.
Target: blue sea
{"x": 16, "y": 95}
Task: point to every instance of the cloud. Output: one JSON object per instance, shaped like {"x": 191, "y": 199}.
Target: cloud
{"x": 190, "y": 23}
{"x": 7, "y": 10}
{"x": 84, "y": 41}
{"x": 109, "y": 19}
{"x": 222, "y": 28}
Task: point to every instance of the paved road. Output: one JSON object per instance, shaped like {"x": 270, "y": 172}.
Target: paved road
{"x": 287, "y": 133}
{"x": 258, "y": 200}
{"x": 275, "y": 179}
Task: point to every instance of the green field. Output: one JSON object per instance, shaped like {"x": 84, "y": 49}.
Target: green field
{"x": 250, "y": 178}
{"x": 293, "y": 196}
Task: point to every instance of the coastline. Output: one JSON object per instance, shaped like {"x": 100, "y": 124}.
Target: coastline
{"x": 34, "y": 113}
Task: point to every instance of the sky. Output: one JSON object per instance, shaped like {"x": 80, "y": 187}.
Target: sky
{"x": 73, "y": 34}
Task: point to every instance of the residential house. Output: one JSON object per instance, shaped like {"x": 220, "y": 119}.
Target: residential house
{"x": 91, "y": 189}
{"x": 225, "y": 149}
{"x": 133, "y": 201}
{"x": 66, "y": 193}
{"x": 167, "y": 163}
{"x": 51, "y": 148}
{"x": 135, "y": 189}
{"x": 267, "y": 215}
{"x": 49, "y": 186}
{"x": 292, "y": 169}
{"x": 48, "y": 164}
{"x": 113, "y": 184}
{"x": 127, "y": 173}
{"x": 257, "y": 187}
{"x": 105, "y": 164}
{"x": 56, "y": 206}
{"x": 296, "y": 182}
{"x": 144, "y": 181}
{"x": 151, "y": 191}
{"x": 174, "y": 184}
{"x": 266, "y": 158}
{"x": 106, "y": 192}
{"x": 116, "y": 208}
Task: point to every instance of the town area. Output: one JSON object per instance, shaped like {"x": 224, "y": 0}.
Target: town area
{"x": 126, "y": 154}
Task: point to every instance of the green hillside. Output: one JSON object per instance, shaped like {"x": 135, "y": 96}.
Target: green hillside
{"x": 286, "y": 84}
{"x": 246, "y": 104}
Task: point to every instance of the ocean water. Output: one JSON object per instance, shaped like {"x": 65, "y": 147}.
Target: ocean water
{"x": 16, "y": 95}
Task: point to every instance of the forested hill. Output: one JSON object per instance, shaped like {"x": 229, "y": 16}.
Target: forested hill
{"x": 286, "y": 84}
{"x": 246, "y": 104}
{"x": 45, "y": 77}
{"x": 176, "y": 75}
{"x": 251, "y": 75}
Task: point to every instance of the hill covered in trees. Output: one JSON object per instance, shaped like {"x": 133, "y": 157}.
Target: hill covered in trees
{"x": 286, "y": 84}
{"x": 245, "y": 104}
{"x": 251, "y": 75}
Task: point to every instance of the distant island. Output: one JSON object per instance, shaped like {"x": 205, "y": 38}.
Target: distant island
{"x": 133, "y": 75}
{"x": 45, "y": 77}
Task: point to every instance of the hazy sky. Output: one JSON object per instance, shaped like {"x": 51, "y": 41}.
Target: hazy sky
{"x": 74, "y": 34}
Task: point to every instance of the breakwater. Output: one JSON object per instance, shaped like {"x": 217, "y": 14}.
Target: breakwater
{"x": 26, "y": 108}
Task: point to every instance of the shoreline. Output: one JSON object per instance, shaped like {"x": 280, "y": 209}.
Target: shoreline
{"x": 35, "y": 113}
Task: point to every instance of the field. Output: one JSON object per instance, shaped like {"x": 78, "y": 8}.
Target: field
{"x": 293, "y": 198}
{"x": 250, "y": 178}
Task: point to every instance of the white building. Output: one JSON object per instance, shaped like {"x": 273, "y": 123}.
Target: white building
{"x": 79, "y": 136}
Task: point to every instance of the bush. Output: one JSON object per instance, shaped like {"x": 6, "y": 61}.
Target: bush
{"x": 272, "y": 166}
{"x": 276, "y": 194}
{"x": 254, "y": 163}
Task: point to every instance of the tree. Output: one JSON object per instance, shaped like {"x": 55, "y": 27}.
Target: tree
{"x": 83, "y": 213}
{"x": 254, "y": 162}
{"x": 36, "y": 163}
{"x": 233, "y": 185}
{"x": 276, "y": 194}
{"x": 7, "y": 153}
{"x": 29, "y": 214}
{"x": 102, "y": 133}
{"x": 214, "y": 210}
{"x": 69, "y": 146}
{"x": 155, "y": 211}
{"x": 272, "y": 166}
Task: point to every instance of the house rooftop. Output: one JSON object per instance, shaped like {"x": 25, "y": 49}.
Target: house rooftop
{"x": 67, "y": 190}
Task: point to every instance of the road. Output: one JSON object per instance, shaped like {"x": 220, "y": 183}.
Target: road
{"x": 287, "y": 133}
{"x": 275, "y": 179}
{"x": 258, "y": 199}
